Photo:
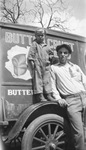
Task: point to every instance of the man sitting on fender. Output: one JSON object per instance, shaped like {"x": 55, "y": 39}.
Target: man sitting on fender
{"x": 69, "y": 89}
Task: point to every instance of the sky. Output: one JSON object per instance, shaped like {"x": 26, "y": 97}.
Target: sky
{"x": 79, "y": 7}
{"x": 78, "y": 19}
{"x": 77, "y": 22}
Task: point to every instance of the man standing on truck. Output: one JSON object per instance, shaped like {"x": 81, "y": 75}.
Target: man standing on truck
{"x": 69, "y": 89}
{"x": 39, "y": 57}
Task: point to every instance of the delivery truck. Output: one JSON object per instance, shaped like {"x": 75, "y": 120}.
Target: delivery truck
{"x": 37, "y": 126}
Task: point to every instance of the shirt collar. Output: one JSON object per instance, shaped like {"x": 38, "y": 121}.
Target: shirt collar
{"x": 70, "y": 63}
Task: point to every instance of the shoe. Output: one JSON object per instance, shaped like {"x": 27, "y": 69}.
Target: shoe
{"x": 50, "y": 98}
{"x": 41, "y": 97}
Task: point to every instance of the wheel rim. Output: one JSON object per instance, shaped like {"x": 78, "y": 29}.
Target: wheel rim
{"x": 49, "y": 136}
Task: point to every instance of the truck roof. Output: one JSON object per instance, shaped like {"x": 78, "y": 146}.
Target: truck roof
{"x": 51, "y": 32}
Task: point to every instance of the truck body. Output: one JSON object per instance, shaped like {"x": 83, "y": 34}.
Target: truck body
{"x": 17, "y": 110}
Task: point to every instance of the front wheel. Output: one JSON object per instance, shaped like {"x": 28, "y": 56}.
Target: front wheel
{"x": 47, "y": 132}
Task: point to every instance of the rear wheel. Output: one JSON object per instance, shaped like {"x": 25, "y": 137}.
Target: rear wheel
{"x": 47, "y": 132}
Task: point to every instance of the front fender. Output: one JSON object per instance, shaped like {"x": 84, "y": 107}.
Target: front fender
{"x": 32, "y": 113}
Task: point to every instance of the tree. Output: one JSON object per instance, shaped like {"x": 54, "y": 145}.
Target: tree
{"x": 51, "y": 14}
{"x": 12, "y": 10}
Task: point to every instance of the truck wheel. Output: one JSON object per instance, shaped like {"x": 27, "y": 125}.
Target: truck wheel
{"x": 46, "y": 132}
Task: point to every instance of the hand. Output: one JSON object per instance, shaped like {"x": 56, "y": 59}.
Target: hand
{"x": 32, "y": 64}
{"x": 62, "y": 102}
{"x": 31, "y": 61}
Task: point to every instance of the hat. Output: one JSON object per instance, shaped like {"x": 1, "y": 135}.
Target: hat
{"x": 65, "y": 46}
{"x": 40, "y": 31}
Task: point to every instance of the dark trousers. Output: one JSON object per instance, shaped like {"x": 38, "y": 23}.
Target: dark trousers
{"x": 74, "y": 111}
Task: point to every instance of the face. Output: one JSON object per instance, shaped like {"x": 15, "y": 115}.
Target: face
{"x": 63, "y": 55}
{"x": 40, "y": 38}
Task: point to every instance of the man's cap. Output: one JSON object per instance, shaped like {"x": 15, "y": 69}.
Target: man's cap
{"x": 65, "y": 46}
{"x": 40, "y": 31}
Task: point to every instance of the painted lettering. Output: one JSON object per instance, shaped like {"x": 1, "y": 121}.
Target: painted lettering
{"x": 17, "y": 38}
{"x": 9, "y": 92}
{"x": 52, "y": 43}
{"x": 19, "y": 92}
{"x": 8, "y": 37}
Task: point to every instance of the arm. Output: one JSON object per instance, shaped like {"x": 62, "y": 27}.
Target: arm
{"x": 31, "y": 55}
{"x": 53, "y": 57}
{"x": 55, "y": 91}
{"x": 83, "y": 77}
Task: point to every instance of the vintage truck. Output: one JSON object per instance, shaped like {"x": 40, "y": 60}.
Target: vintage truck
{"x": 37, "y": 126}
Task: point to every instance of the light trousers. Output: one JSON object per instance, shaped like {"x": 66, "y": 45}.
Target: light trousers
{"x": 74, "y": 110}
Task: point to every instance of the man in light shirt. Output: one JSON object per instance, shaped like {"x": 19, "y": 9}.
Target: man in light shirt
{"x": 69, "y": 89}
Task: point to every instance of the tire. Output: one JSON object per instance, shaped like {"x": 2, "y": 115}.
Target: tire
{"x": 46, "y": 132}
